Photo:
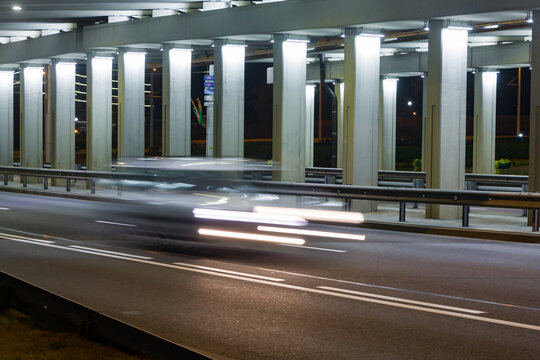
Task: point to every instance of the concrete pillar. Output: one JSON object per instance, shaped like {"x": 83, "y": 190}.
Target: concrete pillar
{"x": 6, "y": 118}
{"x": 130, "y": 104}
{"x": 62, "y": 101}
{"x": 340, "y": 98}
{"x": 446, "y": 120}
{"x": 289, "y": 124}
{"x": 176, "y": 101}
{"x": 209, "y": 99}
{"x": 361, "y": 112}
{"x": 387, "y": 124}
{"x": 424, "y": 120}
{"x": 485, "y": 116}
{"x": 310, "y": 121}
{"x": 229, "y": 62}
{"x": 99, "y": 113}
{"x": 534, "y": 136}
{"x": 31, "y": 116}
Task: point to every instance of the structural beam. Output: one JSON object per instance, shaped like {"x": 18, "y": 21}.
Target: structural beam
{"x": 289, "y": 115}
{"x": 176, "y": 101}
{"x": 229, "y": 68}
{"x": 130, "y": 104}
{"x": 485, "y": 118}
{"x": 310, "y": 122}
{"x": 361, "y": 112}
{"x": 446, "y": 119}
{"x": 534, "y": 153}
{"x": 99, "y": 113}
{"x": 6, "y": 118}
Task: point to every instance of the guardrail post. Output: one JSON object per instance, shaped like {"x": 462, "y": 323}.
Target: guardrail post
{"x": 68, "y": 184}
{"x": 329, "y": 179}
{"x": 298, "y": 201}
{"x": 402, "y": 207}
{"x": 25, "y": 181}
{"x": 92, "y": 186}
{"x": 465, "y": 216}
{"x": 348, "y": 204}
{"x": 6, "y": 178}
{"x": 524, "y": 188}
{"x": 535, "y": 220}
{"x": 471, "y": 185}
{"x": 119, "y": 189}
{"x": 417, "y": 184}
{"x": 45, "y": 183}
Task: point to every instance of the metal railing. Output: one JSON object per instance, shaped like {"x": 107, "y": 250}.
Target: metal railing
{"x": 463, "y": 198}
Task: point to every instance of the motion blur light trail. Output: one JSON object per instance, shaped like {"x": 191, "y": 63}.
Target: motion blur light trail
{"x": 312, "y": 233}
{"x": 244, "y": 216}
{"x": 250, "y": 236}
{"x": 316, "y": 215}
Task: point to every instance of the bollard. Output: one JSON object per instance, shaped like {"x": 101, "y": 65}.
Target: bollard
{"x": 92, "y": 186}
{"x": 6, "y": 177}
{"x": 402, "y": 207}
{"x": 119, "y": 189}
{"x": 535, "y": 220}
{"x": 348, "y": 204}
{"x": 525, "y": 189}
{"x": 417, "y": 184}
{"x": 68, "y": 185}
{"x": 25, "y": 181}
{"x": 45, "y": 183}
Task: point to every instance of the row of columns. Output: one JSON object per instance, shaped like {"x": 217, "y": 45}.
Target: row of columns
{"x": 367, "y": 107}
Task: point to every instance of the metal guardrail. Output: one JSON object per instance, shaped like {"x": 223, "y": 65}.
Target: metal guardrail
{"x": 63, "y": 314}
{"x": 464, "y": 198}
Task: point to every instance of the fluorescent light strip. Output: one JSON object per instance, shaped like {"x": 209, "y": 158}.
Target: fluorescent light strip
{"x": 456, "y": 27}
{"x": 244, "y": 216}
{"x": 310, "y": 214}
{"x": 250, "y": 236}
{"x": 312, "y": 233}
{"x": 229, "y": 272}
{"x": 438, "y": 306}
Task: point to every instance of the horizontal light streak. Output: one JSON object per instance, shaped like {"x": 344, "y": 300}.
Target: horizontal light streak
{"x": 328, "y": 234}
{"x": 317, "y": 215}
{"x": 251, "y": 236}
{"x": 244, "y": 216}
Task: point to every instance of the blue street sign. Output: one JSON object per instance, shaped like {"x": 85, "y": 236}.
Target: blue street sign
{"x": 209, "y": 84}
{"x": 209, "y": 91}
{"x": 208, "y": 77}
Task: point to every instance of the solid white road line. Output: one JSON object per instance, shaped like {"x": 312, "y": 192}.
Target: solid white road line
{"x": 300, "y": 288}
{"x": 113, "y": 223}
{"x": 401, "y": 300}
{"x": 19, "y": 237}
{"x": 229, "y": 272}
{"x": 314, "y": 248}
{"x": 110, "y": 252}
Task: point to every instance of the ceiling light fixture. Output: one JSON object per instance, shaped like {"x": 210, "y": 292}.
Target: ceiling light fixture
{"x": 426, "y": 26}
{"x": 16, "y": 8}
{"x": 529, "y": 19}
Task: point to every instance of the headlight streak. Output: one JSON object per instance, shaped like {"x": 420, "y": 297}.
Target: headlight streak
{"x": 251, "y": 236}
{"x": 243, "y": 216}
{"x": 312, "y": 233}
{"x": 310, "y": 214}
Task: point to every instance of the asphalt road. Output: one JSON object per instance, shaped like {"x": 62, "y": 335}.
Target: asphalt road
{"x": 392, "y": 296}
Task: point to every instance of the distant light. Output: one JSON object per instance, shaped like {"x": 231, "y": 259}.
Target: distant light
{"x": 409, "y": 103}
{"x": 250, "y": 236}
{"x": 154, "y": 69}
{"x": 491, "y": 26}
{"x": 520, "y": 135}
{"x": 76, "y": 119}
{"x": 426, "y": 26}
{"x": 76, "y": 131}
{"x": 414, "y": 113}
{"x": 460, "y": 27}
{"x": 529, "y": 19}
{"x": 16, "y": 8}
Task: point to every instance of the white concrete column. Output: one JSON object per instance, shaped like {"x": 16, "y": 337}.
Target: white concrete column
{"x": 387, "y": 124}
{"x": 339, "y": 89}
{"x": 361, "y": 112}
{"x": 130, "y": 104}
{"x": 31, "y": 116}
{"x": 99, "y": 113}
{"x": 176, "y": 101}
{"x": 534, "y": 136}
{"x": 424, "y": 120}
{"x": 229, "y": 62}
{"x": 62, "y": 102}
{"x": 485, "y": 116}
{"x": 446, "y": 120}
{"x": 310, "y": 121}
{"x": 289, "y": 114}
{"x": 6, "y": 118}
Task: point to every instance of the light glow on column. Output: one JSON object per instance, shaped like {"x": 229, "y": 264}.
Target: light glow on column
{"x": 368, "y": 44}
{"x": 65, "y": 67}
{"x": 134, "y": 59}
{"x": 294, "y": 49}
{"x": 233, "y": 51}
{"x": 179, "y": 57}
{"x": 454, "y": 39}
{"x": 101, "y": 63}
{"x": 489, "y": 78}
{"x": 30, "y": 72}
